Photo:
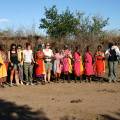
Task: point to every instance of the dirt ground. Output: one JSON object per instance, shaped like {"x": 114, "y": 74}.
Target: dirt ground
{"x": 63, "y": 101}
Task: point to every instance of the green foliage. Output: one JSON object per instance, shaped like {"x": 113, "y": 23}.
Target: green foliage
{"x": 98, "y": 24}
{"x": 59, "y": 25}
{"x": 62, "y": 25}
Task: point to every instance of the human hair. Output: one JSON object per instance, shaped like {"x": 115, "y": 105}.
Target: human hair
{"x": 65, "y": 47}
{"x": 39, "y": 47}
{"x": 88, "y": 48}
{"x": 11, "y": 47}
{"x": 19, "y": 46}
{"x": 110, "y": 44}
{"x": 56, "y": 50}
{"x": 77, "y": 49}
{"x": 28, "y": 44}
{"x": 99, "y": 46}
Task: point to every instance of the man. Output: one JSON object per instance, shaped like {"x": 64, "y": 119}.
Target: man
{"x": 112, "y": 53}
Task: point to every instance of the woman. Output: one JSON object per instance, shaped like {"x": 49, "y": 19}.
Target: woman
{"x": 28, "y": 61}
{"x": 99, "y": 65}
{"x": 48, "y": 62}
{"x": 3, "y": 70}
{"x": 13, "y": 60}
{"x": 67, "y": 67}
{"x": 57, "y": 65}
{"x": 20, "y": 65}
{"x": 78, "y": 65}
{"x": 40, "y": 66}
{"x": 88, "y": 64}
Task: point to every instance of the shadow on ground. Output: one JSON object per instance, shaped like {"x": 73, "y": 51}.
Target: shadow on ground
{"x": 11, "y": 111}
{"x": 113, "y": 116}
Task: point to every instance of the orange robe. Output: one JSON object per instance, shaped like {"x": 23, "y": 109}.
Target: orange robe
{"x": 40, "y": 66}
{"x": 99, "y": 66}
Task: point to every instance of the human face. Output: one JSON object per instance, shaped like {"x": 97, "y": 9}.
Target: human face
{"x": 19, "y": 48}
{"x": 13, "y": 47}
{"x": 99, "y": 48}
{"x": 29, "y": 47}
{"x": 47, "y": 46}
{"x": 39, "y": 41}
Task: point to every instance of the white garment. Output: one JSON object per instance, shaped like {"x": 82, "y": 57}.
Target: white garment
{"x": 116, "y": 48}
{"x": 27, "y": 56}
{"x": 48, "y": 54}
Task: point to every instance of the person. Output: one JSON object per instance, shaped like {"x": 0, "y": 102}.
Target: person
{"x": 67, "y": 66}
{"x": 3, "y": 69}
{"x": 117, "y": 50}
{"x": 78, "y": 65}
{"x": 28, "y": 61}
{"x": 39, "y": 41}
{"x": 40, "y": 65}
{"x": 20, "y": 64}
{"x": 48, "y": 62}
{"x": 13, "y": 60}
{"x": 57, "y": 66}
{"x": 99, "y": 65}
{"x": 111, "y": 54}
{"x": 88, "y": 64}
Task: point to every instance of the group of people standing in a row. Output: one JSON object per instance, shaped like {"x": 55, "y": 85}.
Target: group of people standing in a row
{"x": 26, "y": 64}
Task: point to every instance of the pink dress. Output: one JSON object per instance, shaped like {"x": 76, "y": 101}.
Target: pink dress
{"x": 78, "y": 66}
{"x": 57, "y": 63}
{"x": 67, "y": 67}
{"x": 88, "y": 64}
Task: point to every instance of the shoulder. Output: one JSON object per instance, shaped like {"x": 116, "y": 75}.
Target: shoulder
{"x": 43, "y": 50}
{"x": 50, "y": 50}
{"x": 24, "y": 50}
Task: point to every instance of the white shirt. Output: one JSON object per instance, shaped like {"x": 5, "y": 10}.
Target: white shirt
{"x": 48, "y": 53}
{"x": 113, "y": 48}
{"x": 27, "y": 56}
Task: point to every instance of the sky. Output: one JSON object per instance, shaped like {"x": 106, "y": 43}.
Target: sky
{"x": 17, "y": 14}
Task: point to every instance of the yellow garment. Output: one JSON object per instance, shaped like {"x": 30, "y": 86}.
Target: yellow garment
{"x": 20, "y": 56}
{"x": 81, "y": 67}
{"x": 3, "y": 71}
{"x": 70, "y": 66}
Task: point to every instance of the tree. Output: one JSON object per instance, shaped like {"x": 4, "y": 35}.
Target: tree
{"x": 59, "y": 25}
{"x": 91, "y": 27}
{"x": 98, "y": 24}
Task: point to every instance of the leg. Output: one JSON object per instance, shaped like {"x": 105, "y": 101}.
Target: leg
{"x": 115, "y": 70}
{"x": 26, "y": 72}
{"x": 30, "y": 73}
{"x": 110, "y": 65}
{"x": 80, "y": 78}
{"x": 68, "y": 77}
{"x": 49, "y": 75}
{"x": 49, "y": 71}
{"x": 12, "y": 76}
{"x": 89, "y": 79}
{"x": 17, "y": 77}
{"x": 75, "y": 79}
{"x": 55, "y": 77}
{"x": 58, "y": 77}
{"x": 21, "y": 73}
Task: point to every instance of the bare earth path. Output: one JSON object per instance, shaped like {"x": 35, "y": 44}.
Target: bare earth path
{"x": 63, "y": 101}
